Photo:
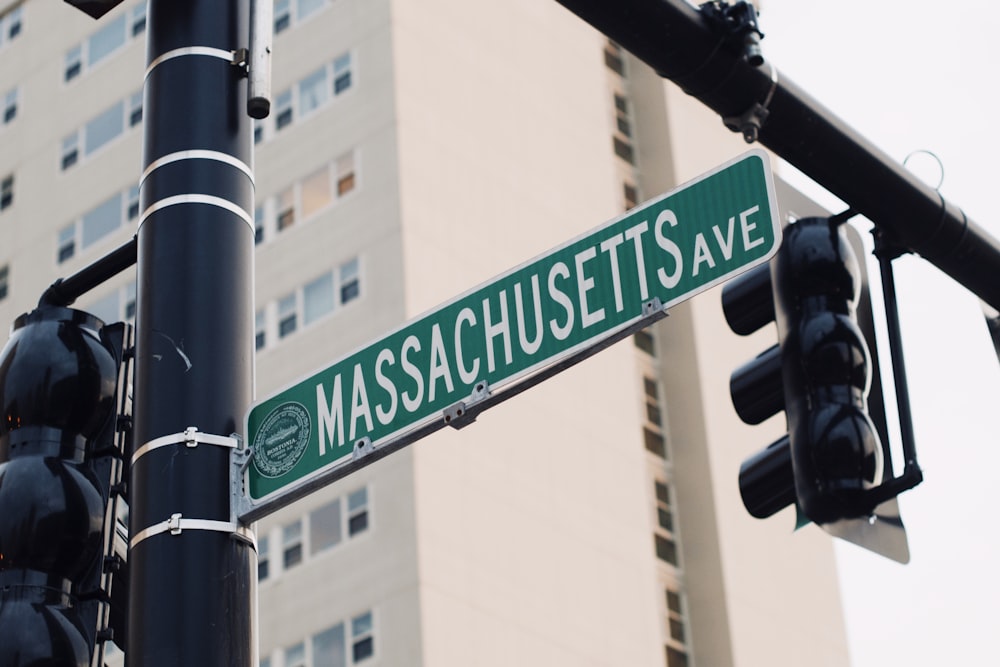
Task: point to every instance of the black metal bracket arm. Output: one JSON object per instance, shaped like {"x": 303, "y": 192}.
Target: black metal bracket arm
{"x": 886, "y": 250}
{"x": 64, "y": 291}
{"x": 737, "y": 24}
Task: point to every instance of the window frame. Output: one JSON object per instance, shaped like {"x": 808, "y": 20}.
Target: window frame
{"x": 4, "y": 281}
{"x": 6, "y": 192}
{"x": 288, "y": 14}
{"x": 288, "y": 310}
{"x": 75, "y": 150}
{"x": 365, "y": 636}
{"x": 293, "y": 547}
{"x": 338, "y": 79}
{"x": 286, "y": 208}
{"x": 11, "y": 24}
{"x": 70, "y": 237}
{"x": 360, "y": 511}
{"x": 11, "y": 99}
{"x": 78, "y": 59}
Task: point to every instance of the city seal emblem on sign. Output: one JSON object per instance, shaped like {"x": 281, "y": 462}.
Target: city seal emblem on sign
{"x": 281, "y": 440}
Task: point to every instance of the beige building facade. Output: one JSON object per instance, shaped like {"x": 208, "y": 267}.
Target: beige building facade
{"x": 415, "y": 150}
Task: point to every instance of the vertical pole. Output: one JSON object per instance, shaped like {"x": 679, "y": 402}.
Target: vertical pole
{"x": 191, "y": 578}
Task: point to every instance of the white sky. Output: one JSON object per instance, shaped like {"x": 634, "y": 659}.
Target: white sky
{"x": 915, "y": 75}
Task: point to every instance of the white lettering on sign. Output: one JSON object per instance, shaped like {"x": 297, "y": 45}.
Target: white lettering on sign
{"x": 577, "y": 293}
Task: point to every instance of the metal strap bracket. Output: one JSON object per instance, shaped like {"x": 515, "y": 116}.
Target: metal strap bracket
{"x": 463, "y": 413}
{"x": 239, "y": 461}
{"x": 189, "y": 437}
{"x": 177, "y": 524}
{"x": 751, "y": 120}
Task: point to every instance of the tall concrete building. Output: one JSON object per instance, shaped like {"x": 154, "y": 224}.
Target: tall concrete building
{"x": 415, "y": 150}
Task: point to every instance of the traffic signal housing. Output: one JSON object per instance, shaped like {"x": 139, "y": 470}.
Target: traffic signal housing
{"x": 63, "y": 386}
{"x": 834, "y": 462}
{"x": 94, "y": 8}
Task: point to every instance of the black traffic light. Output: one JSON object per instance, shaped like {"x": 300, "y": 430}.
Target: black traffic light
{"x": 63, "y": 385}
{"x": 94, "y": 8}
{"x": 834, "y": 463}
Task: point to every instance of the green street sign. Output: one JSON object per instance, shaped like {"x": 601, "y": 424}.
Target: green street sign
{"x": 446, "y": 365}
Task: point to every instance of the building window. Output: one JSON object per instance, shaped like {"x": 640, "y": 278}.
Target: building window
{"x": 287, "y": 316}
{"x": 132, "y": 203}
{"x": 282, "y": 15}
{"x": 666, "y": 549}
{"x": 306, "y": 8}
{"x": 291, "y": 544}
{"x": 613, "y": 58}
{"x": 263, "y": 559}
{"x": 307, "y": 96}
{"x": 302, "y": 9}
{"x": 664, "y": 518}
{"x": 283, "y": 109}
{"x": 653, "y": 429}
{"x": 320, "y": 530}
{"x": 295, "y": 656}
{"x": 101, "y": 221}
{"x": 73, "y": 63}
{"x": 138, "y": 24}
{"x": 313, "y": 91}
{"x": 4, "y": 281}
{"x": 357, "y": 512}
{"x": 644, "y": 341}
{"x": 623, "y": 126}
{"x": 10, "y": 25}
{"x": 309, "y": 303}
{"x": 260, "y": 330}
{"x": 305, "y": 199}
{"x": 631, "y": 195}
{"x": 654, "y": 442}
{"x": 362, "y": 638}
{"x": 118, "y": 306}
{"x": 70, "y": 150}
{"x": 676, "y": 658}
{"x": 102, "y": 129}
{"x": 6, "y": 191}
{"x": 624, "y": 150}
{"x": 328, "y": 647}
{"x": 98, "y": 223}
{"x": 341, "y": 74}
{"x": 317, "y": 298}
{"x": 108, "y": 39}
{"x": 128, "y": 310}
{"x": 350, "y": 281}
{"x": 258, "y": 225}
{"x": 345, "y": 174}
{"x": 135, "y": 109}
{"x": 325, "y": 529}
{"x": 67, "y": 243}
{"x": 286, "y": 209}
{"x": 675, "y": 618}
{"x": 9, "y": 106}
{"x": 651, "y": 391}
{"x": 316, "y": 193}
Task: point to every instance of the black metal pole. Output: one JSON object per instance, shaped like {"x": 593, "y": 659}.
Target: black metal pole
{"x": 192, "y": 572}
{"x": 673, "y": 38}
